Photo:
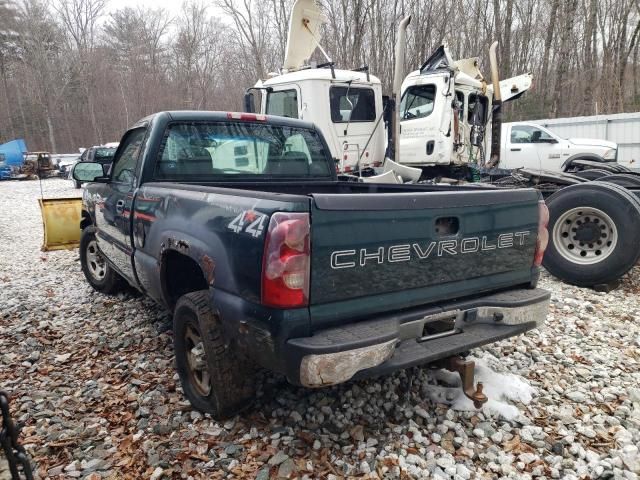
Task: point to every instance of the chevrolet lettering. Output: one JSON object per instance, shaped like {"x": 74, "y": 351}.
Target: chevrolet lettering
{"x": 407, "y": 252}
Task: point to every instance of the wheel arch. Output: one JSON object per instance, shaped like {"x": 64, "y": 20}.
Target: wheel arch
{"x": 181, "y": 273}
{"x": 86, "y": 220}
{"x": 582, "y": 156}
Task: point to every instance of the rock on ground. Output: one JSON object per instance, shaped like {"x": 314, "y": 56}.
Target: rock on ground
{"x": 93, "y": 380}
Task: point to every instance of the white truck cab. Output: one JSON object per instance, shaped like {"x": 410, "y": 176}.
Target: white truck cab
{"x": 532, "y": 146}
{"x": 441, "y": 103}
{"x": 344, "y": 104}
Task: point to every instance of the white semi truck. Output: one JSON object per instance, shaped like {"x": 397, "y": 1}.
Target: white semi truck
{"x": 443, "y": 123}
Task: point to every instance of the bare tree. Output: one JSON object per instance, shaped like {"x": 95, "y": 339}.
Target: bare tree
{"x": 72, "y": 76}
{"x": 80, "y": 18}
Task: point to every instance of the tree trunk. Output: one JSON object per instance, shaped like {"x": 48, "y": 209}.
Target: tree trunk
{"x": 548, "y": 41}
{"x": 52, "y": 138}
{"x": 8, "y": 113}
{"x": 559, "y": 94}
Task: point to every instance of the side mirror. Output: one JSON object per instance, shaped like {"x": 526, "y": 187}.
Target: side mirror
{"x": 89, "y": 172}
{"x": 249, "y": 103}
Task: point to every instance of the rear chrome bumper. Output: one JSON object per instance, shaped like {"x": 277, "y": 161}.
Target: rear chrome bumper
{"x": 373, "y": 347}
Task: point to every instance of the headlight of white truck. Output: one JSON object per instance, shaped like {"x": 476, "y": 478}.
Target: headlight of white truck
{"x": 610, "y": 154}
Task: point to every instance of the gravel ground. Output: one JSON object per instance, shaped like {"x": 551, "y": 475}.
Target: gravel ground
{"x": 93, "y": 381}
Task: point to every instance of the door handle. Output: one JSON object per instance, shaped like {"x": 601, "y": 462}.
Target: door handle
{"x": 516, "y": 149}
{"x": 120, "y": 206}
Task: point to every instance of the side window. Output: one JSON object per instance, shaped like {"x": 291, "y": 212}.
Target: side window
{"x": 417, "y": 102}
{"x": 352, "y": 104}
{"x": 283, "y": 103}
{"x": 124, "y": 166}
{"x": 521, "y": 134}
{"x": 540, "y": 136}
{"x": 460, "y": 105}
{"x": 478, "y": 103}
{"x": 529, "y": 134}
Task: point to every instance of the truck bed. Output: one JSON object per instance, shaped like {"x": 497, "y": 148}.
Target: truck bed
{"x": 397, "y": 246}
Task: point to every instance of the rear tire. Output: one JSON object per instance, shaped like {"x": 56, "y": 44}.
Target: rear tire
{"x": 98, "y": 272}
{"x": 215, "y": 378}
{"x": 592, "y": 173}
{"x": 594, "y": 233}
{"x": 623, "y": 179}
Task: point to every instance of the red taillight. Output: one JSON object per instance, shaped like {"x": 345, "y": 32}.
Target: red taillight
{"x": 285, "y": 267}
{"x": 543, "y": 233}
{"x": 251, "y": 117}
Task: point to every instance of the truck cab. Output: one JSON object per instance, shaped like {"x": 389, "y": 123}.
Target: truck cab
{"x": 346, "y": 104}
{"x": 529, "y": 145}
{"x": 446, "y": 111}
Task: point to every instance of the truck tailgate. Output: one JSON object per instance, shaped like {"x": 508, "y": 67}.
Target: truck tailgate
{"x": 373, "y": 252}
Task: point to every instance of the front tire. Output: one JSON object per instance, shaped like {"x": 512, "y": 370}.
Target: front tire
{"x": 215, "y": 378}
{"x": 594, "y": 233}
{"x": 100, "y": 275}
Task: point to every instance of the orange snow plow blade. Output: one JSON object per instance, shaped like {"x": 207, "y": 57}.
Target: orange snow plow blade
{"x": 61, "y": 220}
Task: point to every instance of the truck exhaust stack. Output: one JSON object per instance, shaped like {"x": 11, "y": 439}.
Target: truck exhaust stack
{"x": 496, "y": 122}
{"x": 398, "y": 76}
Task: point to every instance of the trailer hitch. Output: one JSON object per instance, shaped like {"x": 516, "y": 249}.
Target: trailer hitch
{"x": 465, "y": 369}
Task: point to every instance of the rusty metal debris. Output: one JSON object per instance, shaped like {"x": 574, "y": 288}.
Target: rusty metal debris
{"x": 19, "y": 464}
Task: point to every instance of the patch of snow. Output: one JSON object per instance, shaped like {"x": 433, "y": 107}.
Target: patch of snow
{"x": 500, "y": 388}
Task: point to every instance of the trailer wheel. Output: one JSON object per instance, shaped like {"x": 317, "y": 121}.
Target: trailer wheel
{"x": 214, "y": 377}
{"x": 100, "y": 275}
{"x": 595, "y": 233}
{"x": 623, "y": 179}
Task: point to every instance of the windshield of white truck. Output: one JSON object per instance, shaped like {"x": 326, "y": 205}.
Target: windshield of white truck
{"x": 197, "y": 151}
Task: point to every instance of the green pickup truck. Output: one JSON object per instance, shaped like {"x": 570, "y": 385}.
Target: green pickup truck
{"x": 239, "y": 225}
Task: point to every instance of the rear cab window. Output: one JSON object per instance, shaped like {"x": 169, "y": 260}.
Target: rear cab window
{"x": 352, "y": 104}
{"x": 228, "y": 150}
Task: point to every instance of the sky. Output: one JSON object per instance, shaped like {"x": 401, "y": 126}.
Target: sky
{"x": 172, "y": 6}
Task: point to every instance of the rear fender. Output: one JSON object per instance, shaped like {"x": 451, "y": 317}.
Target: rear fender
{"x": 210, "y": 256}
{"x": 581, "y": 156}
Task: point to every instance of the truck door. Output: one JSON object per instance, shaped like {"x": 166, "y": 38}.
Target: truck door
{"x": 353, "y": 117}
{"x": 284, "y": 102}
{"x": 532, "y": 147}
{"x": 113, "y": 218}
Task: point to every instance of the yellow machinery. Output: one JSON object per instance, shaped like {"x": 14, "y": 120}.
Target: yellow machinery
{"x": 61, "y": 219}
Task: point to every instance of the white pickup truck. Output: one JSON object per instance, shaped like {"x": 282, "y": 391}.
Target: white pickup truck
{"x": 531, "y": 146}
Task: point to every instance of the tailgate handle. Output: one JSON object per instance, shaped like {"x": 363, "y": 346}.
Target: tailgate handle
{"x": 516, "y": 149}
{"x": 447, "y": 226}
